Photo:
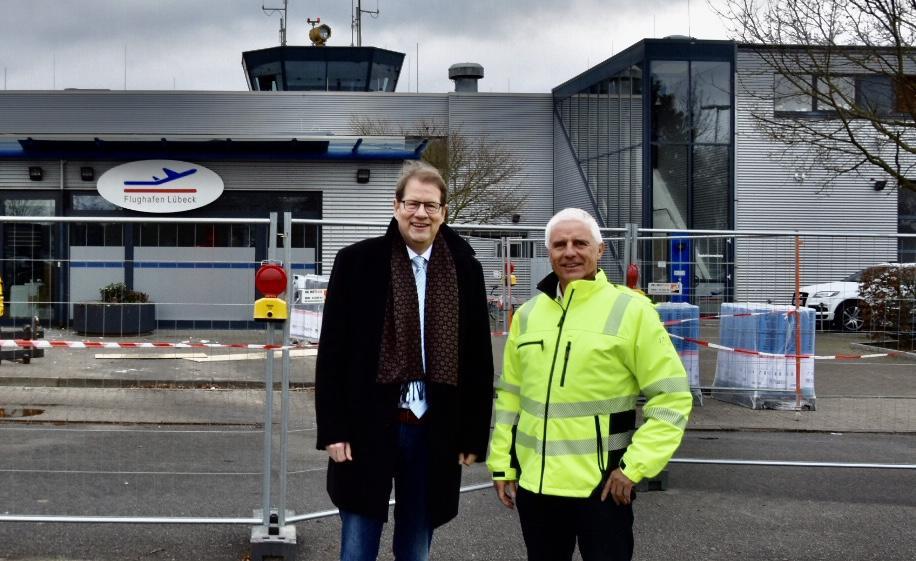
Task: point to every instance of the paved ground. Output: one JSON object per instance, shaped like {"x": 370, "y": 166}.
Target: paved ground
{"x": 176, "y": 437}
{"x": 874, "y": 395}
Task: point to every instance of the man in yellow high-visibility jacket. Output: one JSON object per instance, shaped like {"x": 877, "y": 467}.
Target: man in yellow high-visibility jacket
{"x": 564, "y": 440}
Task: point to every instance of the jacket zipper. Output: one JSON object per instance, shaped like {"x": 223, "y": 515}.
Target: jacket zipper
{"x": 553, "y": 364}
{"x": 565, "y": 362}
{"x": 600, "y": 445}
{"x": 541, "y": 343}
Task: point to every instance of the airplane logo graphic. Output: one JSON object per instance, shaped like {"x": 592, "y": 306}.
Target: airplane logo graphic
{"x": 152, "y": 186}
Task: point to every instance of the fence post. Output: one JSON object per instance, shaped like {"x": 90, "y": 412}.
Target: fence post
{"x": 284, "y": 396}
{"x": 269, "y": 391}
{"x": 273, "y": 539}
{"x": 504, "y": 241}
{"x": 798, "y": 350}
{"x": 630, "y": 246}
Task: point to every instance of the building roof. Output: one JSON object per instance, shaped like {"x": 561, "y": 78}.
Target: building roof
{"x": 135, "y": 146}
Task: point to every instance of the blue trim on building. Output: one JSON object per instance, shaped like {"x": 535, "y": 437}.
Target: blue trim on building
{"x": 311, "y": 267}
{"x": 359, "y": 149}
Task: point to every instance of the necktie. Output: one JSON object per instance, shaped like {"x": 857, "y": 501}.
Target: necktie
{"x": 419, "y": 272}
{"x": 414, "y": 402}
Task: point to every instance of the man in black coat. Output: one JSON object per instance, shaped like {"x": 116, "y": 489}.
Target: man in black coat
{"x": 404, "y": 374}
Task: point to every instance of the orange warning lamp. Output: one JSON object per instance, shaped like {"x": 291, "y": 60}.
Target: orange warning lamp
{"x": 270, "y": 280}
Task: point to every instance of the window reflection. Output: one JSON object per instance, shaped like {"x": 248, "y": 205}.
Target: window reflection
{"x": 670, "y": 101}
{"x": 306, "y": 75}
{"x": 710, "y": 187}
{"x": 669, "y": 186}
{"x": 792, "y": 93}
{"x": 347, "y": 76}
{"x": 711, "y": 103}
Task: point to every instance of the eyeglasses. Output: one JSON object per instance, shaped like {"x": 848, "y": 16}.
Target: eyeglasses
{"x": 430, "y": 206}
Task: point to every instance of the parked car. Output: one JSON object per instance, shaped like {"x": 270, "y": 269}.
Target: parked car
{"x": 837, "y": 303}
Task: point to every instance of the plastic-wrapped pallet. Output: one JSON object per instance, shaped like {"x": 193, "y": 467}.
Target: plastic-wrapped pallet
{"x": 765, "y": 382}
{"x": 683, "y": 320}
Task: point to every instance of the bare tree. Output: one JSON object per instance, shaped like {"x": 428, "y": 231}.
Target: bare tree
{"x": 482, "y": 176}
{"x": 854, "y": 62}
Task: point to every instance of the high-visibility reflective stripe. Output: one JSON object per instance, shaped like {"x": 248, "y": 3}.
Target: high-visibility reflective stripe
{"x": 505, "y": 417}
{"x": 579, "y": 408}
{"x": 615, "y": 318}
{"x": 667, "y": 385}
{"x": 576, "y": 447}
{"x": 620, "y": 441}
{"x": 667, "y": 415}
{"x": 507, "y": 387}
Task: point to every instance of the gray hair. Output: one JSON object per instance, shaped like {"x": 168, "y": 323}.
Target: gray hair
{"x": 578, "y": 215}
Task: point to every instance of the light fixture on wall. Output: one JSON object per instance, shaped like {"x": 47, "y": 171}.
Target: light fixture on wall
{"x": 87, "y": 173}
{"x": 36, "y": 173}
{"x": 516, "y": 218}
{"x": 362, "y": 175}
{"x": 879, "y": 184}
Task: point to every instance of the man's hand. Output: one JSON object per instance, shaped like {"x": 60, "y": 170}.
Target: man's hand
{"x": 505, "y": 491}
{"x": 467, "y": 459}
{"x": 619, "y": 487}
{"x": 339, "y": 451}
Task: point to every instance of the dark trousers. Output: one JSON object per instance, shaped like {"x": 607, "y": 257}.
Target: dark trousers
{"x": 413, "y": 533}
{"x": 552, "y": 525}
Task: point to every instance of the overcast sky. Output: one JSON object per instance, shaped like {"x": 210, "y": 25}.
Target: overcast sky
{"x": 524, "y": 45}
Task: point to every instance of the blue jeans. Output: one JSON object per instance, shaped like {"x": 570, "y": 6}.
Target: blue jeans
{"x": 413, "y": 533}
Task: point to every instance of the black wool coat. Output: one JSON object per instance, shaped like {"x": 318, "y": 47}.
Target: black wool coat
{"x": 352, "y": 407}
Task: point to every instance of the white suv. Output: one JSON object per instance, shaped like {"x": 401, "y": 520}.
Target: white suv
{"x": 836, "y": 302}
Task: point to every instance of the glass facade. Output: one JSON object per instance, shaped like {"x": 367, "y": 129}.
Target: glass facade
{"x": 604, "y": 124}
{"x": 652, "y": 134}
{"x": 691, "y": 120}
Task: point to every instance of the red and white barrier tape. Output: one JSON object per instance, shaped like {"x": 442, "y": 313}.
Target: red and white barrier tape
{"x": 43, "y": 344}
{"x": 718, "y": 347}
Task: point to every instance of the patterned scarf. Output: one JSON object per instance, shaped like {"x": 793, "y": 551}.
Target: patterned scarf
{"x": 399, "y": 357}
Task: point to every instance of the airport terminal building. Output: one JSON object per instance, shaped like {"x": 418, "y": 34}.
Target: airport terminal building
{"x": 660, "y": 135}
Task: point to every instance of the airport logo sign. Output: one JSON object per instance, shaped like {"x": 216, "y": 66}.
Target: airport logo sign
{"x": 160, "y": 186}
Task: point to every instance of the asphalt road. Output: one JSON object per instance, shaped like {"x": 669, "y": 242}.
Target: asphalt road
{"x": 708, "y": 512}
{"x": 132, "y": 437}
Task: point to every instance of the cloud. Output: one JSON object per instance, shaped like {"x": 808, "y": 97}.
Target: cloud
{"x": 525, "y": 45}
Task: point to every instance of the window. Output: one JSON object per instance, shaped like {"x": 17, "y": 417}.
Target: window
{"x": 92, "y": 203}
{"x": 906, "y": 95}
{"x": 840, "y": 89}
{"x": 97, "y": 235}
{"x": 875, "y": 94}
{"x": 670, "y": 101}
{"x": 792, "y": 93}
{"x": 712, "y": 103}
{"x": 195, "y": 235}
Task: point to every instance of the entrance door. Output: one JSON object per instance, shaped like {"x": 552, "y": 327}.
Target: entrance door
{"x": 29, "y": 269}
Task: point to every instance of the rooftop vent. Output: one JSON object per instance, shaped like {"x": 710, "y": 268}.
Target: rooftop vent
{"x": 465, "y": 75}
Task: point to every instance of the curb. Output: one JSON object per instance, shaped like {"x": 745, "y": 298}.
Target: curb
{"x": 98, "y": 383}
{"x": 908, "y": 355}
